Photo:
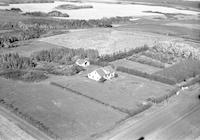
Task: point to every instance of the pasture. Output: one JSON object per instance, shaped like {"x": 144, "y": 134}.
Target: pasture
{"x": 68, "y": 115}
{"x": 28, "y": 47}
{"x": 126, "y": 92}
{"x": 135, "y": 65}
{"x": 106, "y": 41}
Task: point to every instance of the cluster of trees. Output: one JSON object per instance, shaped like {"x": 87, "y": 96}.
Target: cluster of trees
{"x": 43, "y": 14}
{"x": 28, "y": 118}
{"x": 30, "y": 1}
{"x": 14, "y": 10}
{"x": 22, "y": 32}
{"x": 64, "y": 55}
{"x": 14, "y": 61}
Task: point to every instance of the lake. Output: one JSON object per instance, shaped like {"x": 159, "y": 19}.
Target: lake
{"x": 99, "y": 10}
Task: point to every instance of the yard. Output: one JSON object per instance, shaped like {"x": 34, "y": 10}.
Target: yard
{"x": 126, "y": 92}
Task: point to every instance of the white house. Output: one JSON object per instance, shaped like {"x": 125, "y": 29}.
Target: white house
{"x": 110, "y": 72}
{"x": 104, "y": 73}
{"x": 97, "y": 74}
{"x": 82, "y": 62}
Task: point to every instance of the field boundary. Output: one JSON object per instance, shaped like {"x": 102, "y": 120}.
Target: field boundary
{"x": 123, "y": 110}
{"x": 146, "y": 75}
{"x": 26, "y": 121}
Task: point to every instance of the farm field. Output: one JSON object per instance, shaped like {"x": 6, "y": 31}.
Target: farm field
{"x": 28, "y": 47}
{"x": 106, "y": 41}
{"x": 125, "y": 92}
{"x": 136, "y": 66}
{"x": 179, "y": 119}
{"x": 68, "y": 115}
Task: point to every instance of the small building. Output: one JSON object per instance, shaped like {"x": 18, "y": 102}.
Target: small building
{"x": 104, "y": 73}
{"x": 82, "y": 62}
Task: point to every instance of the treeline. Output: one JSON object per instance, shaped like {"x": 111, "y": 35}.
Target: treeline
{"x": 14, "y": 61}
{"x": 181, "y": 71}
{"x": 122, "y": 54}
{"x": 65, "y": 24}
{"x": 20, "y": 32}
{"x": 29, "y": 1}
{"x": 43, "y": 14}
{"x": 64, "y": 55}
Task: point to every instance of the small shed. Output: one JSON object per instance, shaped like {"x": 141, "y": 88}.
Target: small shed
{"x": 82, "y": 62}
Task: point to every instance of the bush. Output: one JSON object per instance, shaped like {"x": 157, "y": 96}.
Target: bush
{"x": 14, "y": 61}
{"x": 24, "y": 75}
{"x": 64, "y": 55}
{"x": 57, "y": 69}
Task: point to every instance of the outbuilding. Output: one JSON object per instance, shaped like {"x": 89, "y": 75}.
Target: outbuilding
{"x": 82, "y": 62}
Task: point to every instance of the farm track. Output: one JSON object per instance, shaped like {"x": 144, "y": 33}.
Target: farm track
{"x": 33, "y": 131}
{"x": 122, "y": 110}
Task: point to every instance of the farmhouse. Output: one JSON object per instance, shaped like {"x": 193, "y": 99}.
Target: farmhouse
{"x": 82, "y": 62}
{"x": 105, "y": 73}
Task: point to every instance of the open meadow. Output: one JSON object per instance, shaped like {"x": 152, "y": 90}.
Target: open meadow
{"x": 126, "y": 92}
{"x": 106, "y": 41}
{"x": 68, "y": 115}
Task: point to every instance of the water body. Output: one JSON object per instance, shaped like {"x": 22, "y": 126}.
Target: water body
{"x": 100, "y": 10}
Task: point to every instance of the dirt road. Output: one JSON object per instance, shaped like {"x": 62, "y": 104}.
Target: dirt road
{"x": 179, "y": 120}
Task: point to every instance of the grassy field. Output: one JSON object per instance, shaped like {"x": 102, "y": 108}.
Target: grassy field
{"x": 28, "y": 47}
{"x": 106, "y": 41}
{"x": 126, "y": 92}
{"x": 136, "y": 65}
{"x": 67, "y": 115}
{"x": 10, "y": 131}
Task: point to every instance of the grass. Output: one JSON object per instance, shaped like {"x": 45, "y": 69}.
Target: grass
{"x": 124, "y": 92}
{"x": 181, "y": 71}
{"x": 106, "y": 41}
{"x": 66, "y": 114}
{"x": 22, "y": 75}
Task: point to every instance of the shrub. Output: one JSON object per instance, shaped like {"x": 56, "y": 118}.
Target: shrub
{"x": 14, "y": 61}
{"x": 64, "y": 55}
{"x": 24, "y": 75}
{"x": 57, "y": 69}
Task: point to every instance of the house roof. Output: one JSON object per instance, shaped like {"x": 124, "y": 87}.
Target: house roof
{"x": 81, "y": 61}
{"x": 101, "y": 72}
{"x": 109, "y": 69}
